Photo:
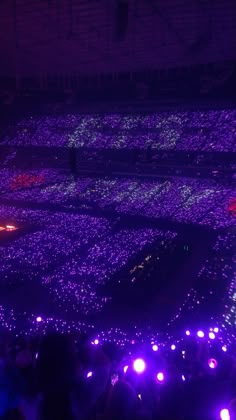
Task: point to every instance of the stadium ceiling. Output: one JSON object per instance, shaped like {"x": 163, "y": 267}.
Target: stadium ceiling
{"x": 66, "y": 36}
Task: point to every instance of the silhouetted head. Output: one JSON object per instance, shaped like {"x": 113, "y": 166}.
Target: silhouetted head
{"x": 56, "y": 363}
{"x": 122, "y": 402}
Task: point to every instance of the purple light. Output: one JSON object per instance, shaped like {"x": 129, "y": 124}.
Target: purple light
{"x": 216, "y": 329}
{"x": 155, "y": 347}
{"x": 187, "y": 332}
{"x": 224, "y": 348}
{"x": 39, "y": 319}
{"x": 183, "y": 378}
{"x": 139, "y": 366}
{"x": 125, "y": 368}
{"x": 173, "y": 346}
{"x": 160, "y": 377}
{"x": 96, "y": 342}
{"x": 200, "y": 334}
{"x": 212, "y": 363}
{"x": 212, "y": 336}
{"x": 89, "y": 374}
{"x": 224, "y": 414}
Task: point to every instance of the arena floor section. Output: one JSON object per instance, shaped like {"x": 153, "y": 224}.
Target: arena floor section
{"x": 111, "y": 250}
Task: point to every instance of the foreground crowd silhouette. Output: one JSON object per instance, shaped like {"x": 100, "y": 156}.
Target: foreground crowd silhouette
{"x": 54, "y": 378}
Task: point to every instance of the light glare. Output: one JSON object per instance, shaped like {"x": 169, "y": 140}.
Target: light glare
{"x": 125, "y": 368}
{"x": 139, "y": 365}
{"x": 224, "y": 414}
{"x": 160, "y": 377}
{"x": 212, "y": 363}
{"x": 155, "y": 347}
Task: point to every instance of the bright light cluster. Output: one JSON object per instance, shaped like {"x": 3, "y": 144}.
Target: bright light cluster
{"x": 190, "y": 130}
{"x": 31, "y": 325}
{"x": 217, "y": 272}
{"x": 184, "y": 200}
{"x": 230, "y": 315}
{"x": 63, "y": 236}
{"x": 59, "y": 237}
{"x": 73, "y": 254}
{"x": 8, "y": 228}
{"x": 77, "y": 281}
{"x": 17, "y": 180}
